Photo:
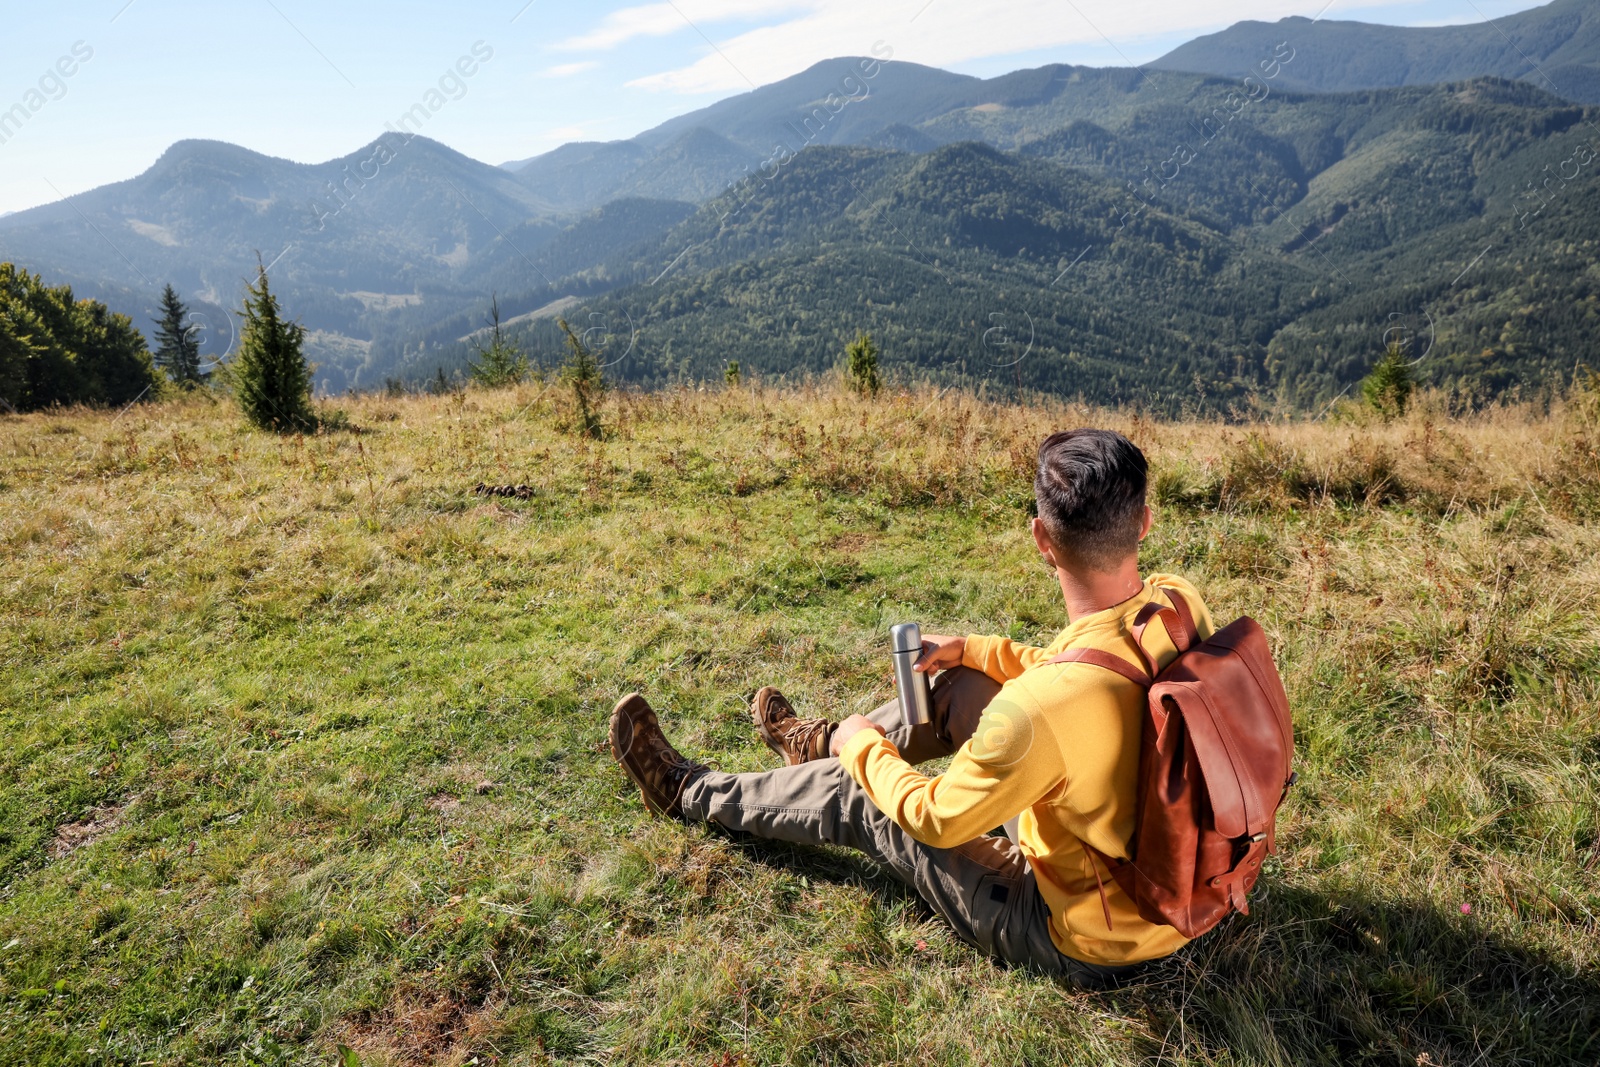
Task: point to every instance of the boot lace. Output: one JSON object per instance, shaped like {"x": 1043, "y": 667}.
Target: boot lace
{"x": 809, "y": 738}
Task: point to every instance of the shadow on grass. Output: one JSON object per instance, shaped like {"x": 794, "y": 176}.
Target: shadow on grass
{"x": 1348, "y": 977}
{"x": 1336, "y": 978}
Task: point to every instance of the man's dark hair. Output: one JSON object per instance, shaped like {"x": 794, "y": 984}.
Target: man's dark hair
{"x": 1090, "y": 490}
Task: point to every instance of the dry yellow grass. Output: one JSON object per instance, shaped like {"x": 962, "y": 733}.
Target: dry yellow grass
{"x": 300, "y": 735}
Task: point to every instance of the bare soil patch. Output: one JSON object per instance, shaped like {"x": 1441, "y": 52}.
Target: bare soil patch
{"x": 72, "y": 836}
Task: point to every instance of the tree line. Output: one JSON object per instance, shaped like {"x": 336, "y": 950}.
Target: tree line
{"x": 58, "y": 350}
{"x": 55, "y": 350}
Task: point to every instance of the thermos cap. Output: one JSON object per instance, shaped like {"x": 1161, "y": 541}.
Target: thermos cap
{"x": 907, "y": 637}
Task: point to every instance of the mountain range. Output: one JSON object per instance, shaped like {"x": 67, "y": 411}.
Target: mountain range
{"x": 1277, "y": 263}
{"x": 1251, "y": 230}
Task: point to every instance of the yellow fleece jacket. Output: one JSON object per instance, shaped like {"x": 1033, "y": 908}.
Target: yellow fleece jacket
{"x": 1059, "y": 746}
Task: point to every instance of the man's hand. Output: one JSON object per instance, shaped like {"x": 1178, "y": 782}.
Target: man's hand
{"x": 940, "y": 653}
{"x": 848, "y": 729}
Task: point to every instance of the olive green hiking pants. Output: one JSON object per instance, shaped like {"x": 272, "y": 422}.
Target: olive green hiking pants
{"x": 984, "y": 889}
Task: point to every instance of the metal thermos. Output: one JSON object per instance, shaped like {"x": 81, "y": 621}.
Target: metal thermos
{"x": 916, "y": 701}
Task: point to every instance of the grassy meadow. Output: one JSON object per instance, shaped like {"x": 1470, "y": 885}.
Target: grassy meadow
{"x": 302, "y": 741}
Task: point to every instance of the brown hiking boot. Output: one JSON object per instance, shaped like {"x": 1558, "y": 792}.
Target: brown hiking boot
{"x": 657, "y": 768}
{"x": 797, "y": 740}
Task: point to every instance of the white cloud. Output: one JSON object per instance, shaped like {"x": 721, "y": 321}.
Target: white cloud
{"x": 945, "y": 33}
{"x": 567, "y": 70}
{"x": 578, "y": 131}
{"x": 562, "y": 134}
{"x": 659, "y": 20}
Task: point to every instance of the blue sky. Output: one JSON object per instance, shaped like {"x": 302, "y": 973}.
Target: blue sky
{"x": 311, "y": 80}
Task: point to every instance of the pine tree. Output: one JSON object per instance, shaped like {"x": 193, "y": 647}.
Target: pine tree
{"x": 177, "y": 346}
{"x": 500, "y": 362}
{"x": 1387, "y": 389}
{"x": 583, "y": 372}
{"x": 861, "y": 364}
{"x": 270, "y": 377}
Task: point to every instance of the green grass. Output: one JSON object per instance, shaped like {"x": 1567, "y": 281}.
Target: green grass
{"x": 302, "y": 744}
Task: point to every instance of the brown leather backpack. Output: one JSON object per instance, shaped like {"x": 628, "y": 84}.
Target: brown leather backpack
{"x": 1213, "y": 768}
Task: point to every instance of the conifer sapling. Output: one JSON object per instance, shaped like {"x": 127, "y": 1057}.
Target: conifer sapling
{"x": 584, "y": 373}
{"x": 1387, "y": 389}
{"x": 177, "y": 341}
{"x": 501, "y": 362}
{"x": 861, "y": 364}
{"x": 270, "y": 377}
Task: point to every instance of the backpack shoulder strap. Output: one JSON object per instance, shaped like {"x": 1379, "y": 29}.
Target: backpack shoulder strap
{"x": 1191, "y": 632}
{"x": 1178, "y": 620}
{"x": 1096, "y": 658}
{"x": 1116, "y": 664}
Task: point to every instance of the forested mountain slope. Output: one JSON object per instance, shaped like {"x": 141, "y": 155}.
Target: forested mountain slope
{"x": 1275, "y": 261}
{"x": 967, "y": 263}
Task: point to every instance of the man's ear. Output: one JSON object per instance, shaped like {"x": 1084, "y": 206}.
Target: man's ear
{"x": 1149, "y": 520}
{"x": 1042, "y": 539}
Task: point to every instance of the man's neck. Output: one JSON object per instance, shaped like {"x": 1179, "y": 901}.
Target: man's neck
{"x": 1092, "y": 591}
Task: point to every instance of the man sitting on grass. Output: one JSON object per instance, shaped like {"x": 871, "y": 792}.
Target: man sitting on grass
{"x": 1050, "y": 751}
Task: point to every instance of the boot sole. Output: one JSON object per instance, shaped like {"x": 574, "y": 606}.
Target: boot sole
{"x": 620, "y": 736}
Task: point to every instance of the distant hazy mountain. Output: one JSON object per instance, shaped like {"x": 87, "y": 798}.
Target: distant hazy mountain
{"x": 797, "y": 107}
{"x": 1556, "y": 47}
{"x": 417, "y": 206}
{"x": 854, "y": 100}
{"x": 581, "y": 173}
{"x": 374, "y": 230}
